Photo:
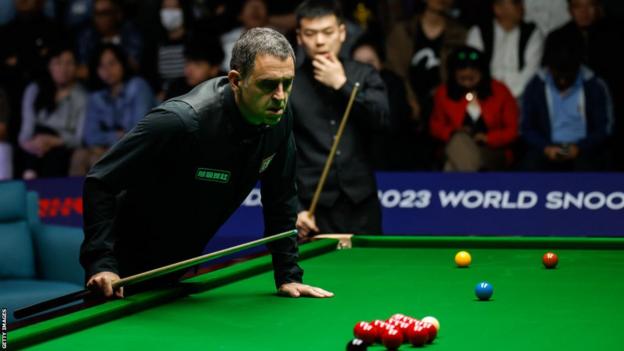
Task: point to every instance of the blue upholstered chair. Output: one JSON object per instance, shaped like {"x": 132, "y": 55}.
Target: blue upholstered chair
{"x": 37, "y": 261}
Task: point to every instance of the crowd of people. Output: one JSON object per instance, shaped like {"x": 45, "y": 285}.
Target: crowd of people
{"x": 471, "y": 85}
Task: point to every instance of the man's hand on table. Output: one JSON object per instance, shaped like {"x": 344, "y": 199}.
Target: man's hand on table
{"x": 298, "y": 289}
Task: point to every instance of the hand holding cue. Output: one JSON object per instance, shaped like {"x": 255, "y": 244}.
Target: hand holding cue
{"x": 332, "y": 151}
{"x": 154, "y": 273}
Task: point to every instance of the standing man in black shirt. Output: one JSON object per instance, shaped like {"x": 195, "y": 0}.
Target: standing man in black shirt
{"x": 164, "y": 189}
{"x": 348, "y": 203}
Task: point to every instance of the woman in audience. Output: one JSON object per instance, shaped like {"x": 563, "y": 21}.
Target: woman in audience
{"x": 112, "y": 110}
{"x": 474, "y": 115}
{"x": 53, "y": 111}
{"x": 174, "y": 31}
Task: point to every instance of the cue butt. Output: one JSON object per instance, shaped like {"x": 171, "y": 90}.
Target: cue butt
{"x": 50, "y": 304}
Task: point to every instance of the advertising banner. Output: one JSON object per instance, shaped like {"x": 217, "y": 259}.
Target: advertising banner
{"x": 570, "y": 204}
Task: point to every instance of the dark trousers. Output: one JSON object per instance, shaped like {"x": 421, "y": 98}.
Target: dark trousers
{"x": 344, "y": 216}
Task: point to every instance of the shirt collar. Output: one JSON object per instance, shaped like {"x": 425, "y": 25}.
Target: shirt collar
{"x": 498, "y": 28}
{"x": 576, "y": 86}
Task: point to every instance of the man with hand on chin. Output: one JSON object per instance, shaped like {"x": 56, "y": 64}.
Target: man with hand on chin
{"x": 348, "y": 203}
{"x": 162, "y": 191}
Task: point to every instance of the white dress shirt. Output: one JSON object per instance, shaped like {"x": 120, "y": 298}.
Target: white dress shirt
{"x": 504, "y": 63}
{"x": 547, "y": 14}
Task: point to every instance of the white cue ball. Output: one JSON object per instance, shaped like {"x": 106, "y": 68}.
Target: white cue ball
{"x": 433, "y": 321}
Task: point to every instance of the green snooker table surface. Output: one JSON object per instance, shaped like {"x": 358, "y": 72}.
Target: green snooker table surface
{"x": 577, "y": 306}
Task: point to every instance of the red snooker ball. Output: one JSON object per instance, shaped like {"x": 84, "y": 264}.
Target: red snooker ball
{"x": 381, "y": 326}
{"x": 431, "y": 330}
{"x": 550, "y": 260}
{"x": 401, "y": 326}
{"x": 404, "y": 327}
{"x": 392, "y": 338}
{"x": 394, "y": 322}
{"x": 366, "y": 332}
{"x": 397, "y": 316}
{"x": 417, "y": 335}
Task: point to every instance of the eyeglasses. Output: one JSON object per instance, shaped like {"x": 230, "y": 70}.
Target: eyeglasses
{"x": 472, "y": 56}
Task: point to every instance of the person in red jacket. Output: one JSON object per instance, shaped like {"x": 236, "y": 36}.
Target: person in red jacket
{"x": 474, "y": 115}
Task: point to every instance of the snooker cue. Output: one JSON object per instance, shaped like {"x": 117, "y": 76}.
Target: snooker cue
{"x": 332, "y": 152}
{"x": 154, "y": 273}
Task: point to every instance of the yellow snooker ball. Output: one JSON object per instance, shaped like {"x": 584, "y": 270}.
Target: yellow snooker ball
{"x": 463, "y": 259}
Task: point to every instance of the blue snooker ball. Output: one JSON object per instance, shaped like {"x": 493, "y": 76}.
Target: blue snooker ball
{"x": 484, "y": 291}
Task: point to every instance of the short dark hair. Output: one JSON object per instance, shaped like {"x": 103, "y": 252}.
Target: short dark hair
{"x": 204, "y": 48}
{"x": 369, "y": 39}
{"x": 116, "y": 3}
{"x": 57, "y": 48}
{"x": 561, "y": 52}
{"x": 318, "y": 8}
{"x": 259, "y": 41}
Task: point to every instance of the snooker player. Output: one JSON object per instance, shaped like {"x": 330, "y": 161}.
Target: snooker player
{"x": 325, "y": 80}
{"x": 163, "y": 190}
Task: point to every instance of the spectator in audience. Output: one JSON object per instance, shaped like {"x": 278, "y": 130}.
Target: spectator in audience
{"x": 475, "y": 115}
{"x": 174, "y": 20}
{"x": 108, "y": 26}
{"x": 566, "y": 114}
{"x": 25, "y": 42}
{"x": 473, "y": 12}
{"x": 113, "y": 110}
{"x": 203, "y": 58}
{"x": 253, "y": 13}
{"x": 393, "y": 150}
{"x": 7, "y": 12}
{"x": 512, "y": 46}
{"x": 76, "y": 14}
{"x": 6, "y": 153}
{"x": 9, "y": 8}
{"x": 597, "y": 37}
{"x": 417, "y": 51}
{"x": 547, "y": 15}
{"x": 213, "y": 16}
{"x": 53, "y": 111}
{"x": 321, "y": 90}
{"x": 282, "y": 15}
